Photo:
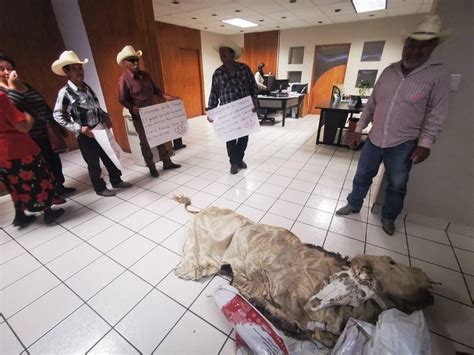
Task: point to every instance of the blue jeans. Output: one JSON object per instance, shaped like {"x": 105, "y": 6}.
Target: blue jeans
{"x": 397, "y": 167}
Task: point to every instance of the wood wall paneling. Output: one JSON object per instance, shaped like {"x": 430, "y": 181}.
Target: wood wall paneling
{"x": 261, "y": 47}
{"x": 30, "y": 35}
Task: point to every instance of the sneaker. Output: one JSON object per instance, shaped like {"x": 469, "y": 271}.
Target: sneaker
{"x": 388, "y": 225}
{"x": 122, "y": 185}
{"x": 242, "y": 165}
{"x": 171, "y": 166}
{"x": 66, "y": 190}
{"x": 23, "y": 221}
{"x": 105, "y": 193}
{"x": 234, "y": 169}
{"x": 153, "y": 172}
{"x": 344, "y": 211}
{"x": 51, "y": 215}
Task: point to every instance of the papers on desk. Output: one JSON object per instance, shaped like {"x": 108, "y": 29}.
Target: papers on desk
{"x": 107, "y": 142}
{"x": 164, "y": 122}
{"x": 234, "y": 120}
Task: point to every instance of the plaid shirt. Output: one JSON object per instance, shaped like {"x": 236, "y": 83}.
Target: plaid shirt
{"x": 227, "y": 88}
{"x": 76, "y": 107}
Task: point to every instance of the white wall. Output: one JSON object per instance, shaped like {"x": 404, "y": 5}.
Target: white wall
{"x": 443, "y": 185}
{"x": 210, "y": 57}
{"x": 73, "y": 32}
{"x": 356, "y": 33}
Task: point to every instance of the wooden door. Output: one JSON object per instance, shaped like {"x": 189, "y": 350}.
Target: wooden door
{"x": 190, "y": 88}
{"x": 330, "y": 63}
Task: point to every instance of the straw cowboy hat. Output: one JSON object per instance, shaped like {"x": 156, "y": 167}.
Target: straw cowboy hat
{"x": 430, "y": 28}
{"x": 127, "y": 52}
{"x": 231, "y": 45}
{"x": 66, "y": 58}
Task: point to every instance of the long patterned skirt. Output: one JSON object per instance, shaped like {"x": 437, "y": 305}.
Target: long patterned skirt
{"x": 30, "y": 183}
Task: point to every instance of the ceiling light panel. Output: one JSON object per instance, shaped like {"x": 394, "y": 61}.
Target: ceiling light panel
{"x": 369, "y": 5}
{"x": 240, "y": 22}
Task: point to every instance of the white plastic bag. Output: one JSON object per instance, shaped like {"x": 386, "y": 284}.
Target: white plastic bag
{"x": 354, "y": 337}
{"x": 399, "y": 333}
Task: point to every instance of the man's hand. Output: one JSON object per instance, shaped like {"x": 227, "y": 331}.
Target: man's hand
{"x": 87, "y": 131}
{"x": 356, "y": 137}
{"x": 209, "y": 119}
{"x": 420, "y": 154}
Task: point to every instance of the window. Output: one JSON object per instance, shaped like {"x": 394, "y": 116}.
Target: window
{"x": 296, "y": 55}
{"x": 372, "y": 51}
{"x": 294, "y": 76}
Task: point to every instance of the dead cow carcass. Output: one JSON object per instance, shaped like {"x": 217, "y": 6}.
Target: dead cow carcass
{"x": 305, "y": 291}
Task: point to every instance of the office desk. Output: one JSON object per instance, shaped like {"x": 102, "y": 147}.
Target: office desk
{"x": 280, "y": 103}
{"x": 334, "y": 117}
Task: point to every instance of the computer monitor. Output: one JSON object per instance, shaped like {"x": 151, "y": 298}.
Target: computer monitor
{"x": 281, "y": 84}
{"x": 269, "y": 82}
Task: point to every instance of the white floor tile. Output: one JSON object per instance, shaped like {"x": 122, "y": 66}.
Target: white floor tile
{"x": 466, "y": 259}
{"x": 9, "y": 251}
{"x": 286, "y": 209}
{"x": 105, "y": 204}
{"x": 43, "y": 314}
{"x": 322, "y": 203}
{"x": 277, "y": 221}
{"x": 92, "y": 227}
{"x": 113, "y": 303}
{"x": 112, "y": 343}
{"x": 162, "y": 205}
{"x": 148, "y": 323}
{"x": 139, "y": 220}
{"x": 247, "y": 184}
{"x": 315, "y": 218}
{"x": 183, "y": 291}
{"x": 308, "y": 176}
{"x": 461, "y": 241}
{"x": 237, "y": 195}
{"x": 461, "y": 229}
{"x": 9, "y": 343}
{"x": 349, "y": 228}
{"x": 176, "y": 241}
{"x": 74, "y": 260}
{"x": 224, "y": 203}
{"x": 182, "y": 178}
{"x": 436, "y": 235}
{"x": 197, "y": 183}
{"x": 217, "y": 189}
{"x": 343, "y": 245}
{"x": 295, "y": 196}
{"x": 164, "y": 187}
{"x": 327, "y": 191}
{"x": 110, "y": 238}
{"x": 452, "y": 283}
{"x": 260, "y": 201}
{"x": 470, "y": 285}
{"x": 121, "y": 211}
{"x": 254, "y": 214}
{"x": 94, "y": 277}
{"x": 399, "y": 258}
{"x": 206, "y": 307}
{"x": 55, "y": 247}
{"x": 202, "y": 199}
{"x": 198, "y": 335}
{"x": 179, "y": 215}
{"x": 155, "y": 265}
{"x": 131, "y": 250}
{"x": 86, "y": 326}
{"x": 270, "y": 190}
{"x": 432, "y": 252}
{"x": 145, "y": 198}
{"x": 443, "y": 346}
{"x": 160, "y": 229}
{"x": 396, "y": 242}
{"x": 309, "y": 234}
{"x": 279, "y": 180}
{"x": 229, "y": 347}
{"x": 17, "y": 268}
{"x": 451, "y": 319}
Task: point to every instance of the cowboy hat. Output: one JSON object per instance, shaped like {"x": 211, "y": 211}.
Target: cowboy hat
{"x": 66, "y": 58}
{"x": 231, "y": 45}
{"x": 127, "y": 52}
{"x": 428, "y": 29}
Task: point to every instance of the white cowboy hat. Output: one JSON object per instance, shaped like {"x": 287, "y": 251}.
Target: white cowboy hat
{"x": 430, "y": 28}
{"x": 127, "y": 52}
{"x": 231, "y": 45}
{"x": 66, "y": 58}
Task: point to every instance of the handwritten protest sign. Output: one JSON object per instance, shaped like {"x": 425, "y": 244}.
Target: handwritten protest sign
{"x": 234, "y": 120}
{"x": 164, "y": 122}
{"x": 106, "y": 140}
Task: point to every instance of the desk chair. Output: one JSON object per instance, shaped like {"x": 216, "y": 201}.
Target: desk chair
{"x": 262, "y": 113}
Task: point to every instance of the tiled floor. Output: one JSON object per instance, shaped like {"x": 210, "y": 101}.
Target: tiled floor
{"x": 102, "y": 281}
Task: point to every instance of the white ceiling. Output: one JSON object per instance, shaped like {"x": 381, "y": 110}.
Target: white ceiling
{"x": 206, "y": 15}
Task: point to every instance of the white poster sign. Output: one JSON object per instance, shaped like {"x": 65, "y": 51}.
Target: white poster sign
{"x": 234, "y": 120}
{"x": 106, "y": 140}
{"x": 164, "y": 122}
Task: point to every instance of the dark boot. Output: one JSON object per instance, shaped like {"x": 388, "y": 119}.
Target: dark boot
{"x": 22, "y": 220}
{"x": 153, "y": 172}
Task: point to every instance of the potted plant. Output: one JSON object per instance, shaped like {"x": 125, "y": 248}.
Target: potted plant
{"x": 363, "y": 86}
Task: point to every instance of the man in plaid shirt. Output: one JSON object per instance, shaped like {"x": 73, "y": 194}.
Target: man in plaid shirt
{"x": 77, "y": 109}
{"x": 232, "y": 81}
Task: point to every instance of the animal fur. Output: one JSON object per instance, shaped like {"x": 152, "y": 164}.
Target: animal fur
{"x": 279, "y": 274}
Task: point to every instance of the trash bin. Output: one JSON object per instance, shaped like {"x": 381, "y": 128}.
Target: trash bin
{"x": 134, "y": 141}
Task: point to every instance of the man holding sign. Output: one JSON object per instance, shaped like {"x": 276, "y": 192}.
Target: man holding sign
{"x": 232, "y": 81}
{"x": 136, "y": 90}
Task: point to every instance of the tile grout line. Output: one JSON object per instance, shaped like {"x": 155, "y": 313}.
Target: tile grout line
{"x": 14, "y": 333}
